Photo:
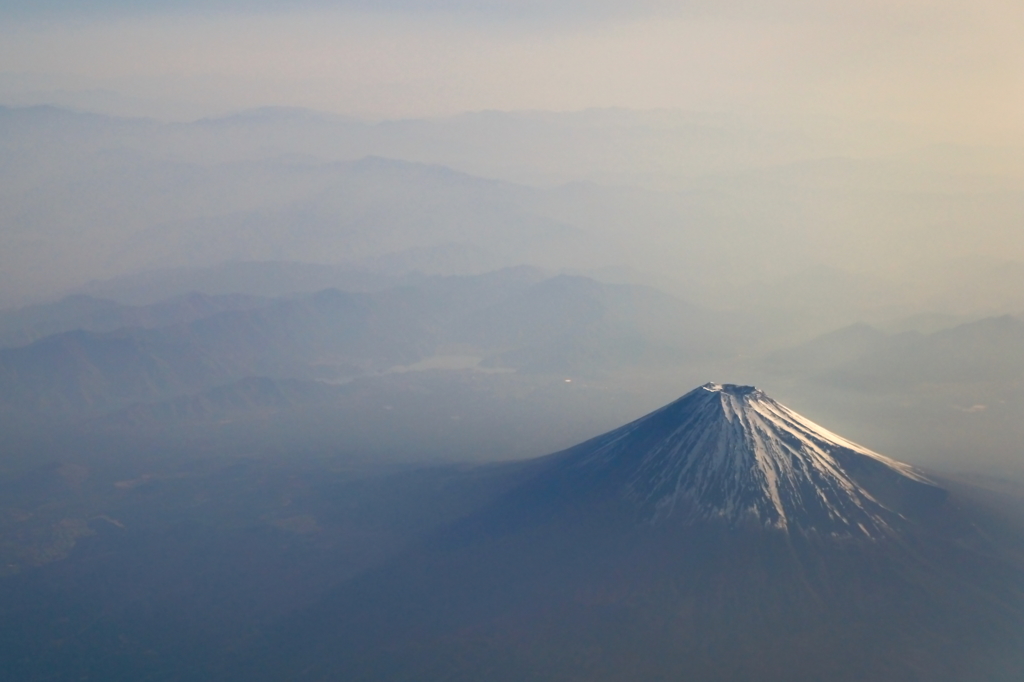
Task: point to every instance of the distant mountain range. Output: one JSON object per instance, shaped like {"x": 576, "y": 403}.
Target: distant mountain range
{"x": 861, "y": 356}
{"x": 169, "y": 364}
{"x": 728, "y": 213}
{"x": 516, "y": 319}
{"x": 22, "y": 326}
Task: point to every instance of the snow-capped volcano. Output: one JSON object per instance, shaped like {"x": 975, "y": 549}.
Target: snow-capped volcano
{"x": 730, "y": 452}
{"x": 723, "y": 537}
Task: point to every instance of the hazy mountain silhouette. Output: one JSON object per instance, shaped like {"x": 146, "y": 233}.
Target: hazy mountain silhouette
{"x": 514, "y": 318}
{"x": 81, "y": 312}
{"x": 256, "y": 278}
{"x": 865, "y": 358}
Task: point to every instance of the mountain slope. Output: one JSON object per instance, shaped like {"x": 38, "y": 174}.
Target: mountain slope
{"x": 732, "y": 453}
{"x": 720, "y": 538}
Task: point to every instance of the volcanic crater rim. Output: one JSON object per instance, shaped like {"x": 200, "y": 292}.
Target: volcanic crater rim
{"x": 732, "y": 389}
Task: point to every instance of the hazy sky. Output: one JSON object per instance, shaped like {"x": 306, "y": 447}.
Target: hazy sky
{"x": 953, "y": 67}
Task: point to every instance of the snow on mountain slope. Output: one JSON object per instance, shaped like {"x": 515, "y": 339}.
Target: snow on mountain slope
{"x": 732, "y": 453}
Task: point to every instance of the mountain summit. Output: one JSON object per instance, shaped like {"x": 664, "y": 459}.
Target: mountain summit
{"x": 732, "y": 453}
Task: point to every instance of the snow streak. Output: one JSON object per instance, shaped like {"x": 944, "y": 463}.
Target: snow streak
{"x": 731, "y": 452}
